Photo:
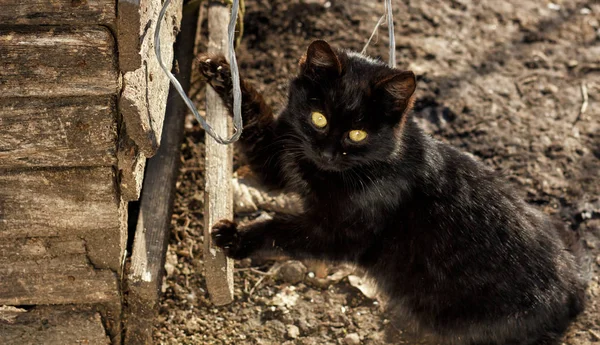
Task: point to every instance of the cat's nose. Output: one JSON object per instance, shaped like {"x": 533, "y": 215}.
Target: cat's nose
{"x": 327, "y": 154}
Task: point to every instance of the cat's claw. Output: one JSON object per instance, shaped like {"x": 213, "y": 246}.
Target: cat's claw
{"x": 215, "y": 70}
{"x": 225, "y": 235}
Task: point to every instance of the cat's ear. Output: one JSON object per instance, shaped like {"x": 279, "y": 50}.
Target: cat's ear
{"x": 320, "y": 57}
{"x": 399, "y": 86}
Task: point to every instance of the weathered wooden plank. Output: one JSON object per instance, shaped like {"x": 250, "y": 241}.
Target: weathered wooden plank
{"x": 78, "y": 202}
{"x": 69, "y": 285}
{"x": 218, "y": 191}
{"x": 57, "y": 61}
{"x": 26, "y": 250}
{"x": 53, "y": 12}
{"x": 51, "y": 326}
{"x": 152, "y": 231}
{"x": 145, "y": 86}
{"x": 55, "y": 132}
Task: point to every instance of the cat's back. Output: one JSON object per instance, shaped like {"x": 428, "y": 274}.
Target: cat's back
{"x": 476, "y": 259}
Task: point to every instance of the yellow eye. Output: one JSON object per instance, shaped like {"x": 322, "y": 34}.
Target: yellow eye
{"x": 319, "y": 119}
{"x": 357, "y": 135}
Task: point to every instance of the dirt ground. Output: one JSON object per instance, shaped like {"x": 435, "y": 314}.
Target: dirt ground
{"x": 504, "y": 80}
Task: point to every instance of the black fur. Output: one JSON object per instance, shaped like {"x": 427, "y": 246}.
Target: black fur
{"x": 460, "y": 258}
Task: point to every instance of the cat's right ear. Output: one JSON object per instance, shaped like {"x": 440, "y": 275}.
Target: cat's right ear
{"x": 400, "y": 87}
{"x": 320, "y": 58}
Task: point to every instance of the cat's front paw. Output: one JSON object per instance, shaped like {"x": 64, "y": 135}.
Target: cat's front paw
{"x": 226, "y": 236}
{"x": 215, "y": 70}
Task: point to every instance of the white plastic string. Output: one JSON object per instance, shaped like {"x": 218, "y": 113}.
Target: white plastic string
{"x": 390, "y": 23}
{"x": 237, "y": 93}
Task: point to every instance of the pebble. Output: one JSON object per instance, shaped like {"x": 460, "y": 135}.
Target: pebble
{"x": 170, "y": 268}
{"x": 277, "y": 326}
{"x": 352, "y": 339}
{"x": 304, "y": 326}
{"x": 292, "y": 272}
{"x": 293, "y": 332}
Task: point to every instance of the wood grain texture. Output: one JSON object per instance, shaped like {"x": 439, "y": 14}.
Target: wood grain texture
{"x": 57, "y": 132}
{"x": 145, "y": 86}
{"x": 52, "y": 271}
{"x": 54, "y": 12}
{"x": 51, "y": 326}
{"x": 53, "y": 61}
{"x": 131, "y": 24}
{"x": 218, "y": 190}
{"x": 25, "y": 251}
{"x": 77, "y": 202}
{"x": 67, "y": 286}
{"x": 144, "y": 280}
{"x": 131, "y": 165}
{"x": 55, "y": 270}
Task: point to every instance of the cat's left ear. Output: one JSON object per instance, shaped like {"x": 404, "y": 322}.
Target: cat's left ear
{"x": 400, "y": 86}
{"x": 320, "y": 57}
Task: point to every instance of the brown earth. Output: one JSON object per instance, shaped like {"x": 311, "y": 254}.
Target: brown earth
{"x": 503, "y": 80}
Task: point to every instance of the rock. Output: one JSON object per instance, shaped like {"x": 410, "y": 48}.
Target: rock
{"x": 309, "y": 341}
{"x": 293, "y": 332}
{"x": 292, "y": 272}
{"x": 304, "y": 326}
{"x": 352, "y": 339}
{"x": 549, "y": 89}
{"x": 276, "y": 326}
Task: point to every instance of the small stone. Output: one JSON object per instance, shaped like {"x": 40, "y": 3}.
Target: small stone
{"x": 191, "y": 298}
{"x": 170, "y": 269}
{"x": 276, "y": 326}
{"x": 549, "y": 89}
{"x": 292, "y": 272}
{"x": 304, "y": 326}
{"x": 293, "y": 332}
{"x": 589, "y": 244}
{"x": 352, "y": 339}
{"x": 598, "y": 260}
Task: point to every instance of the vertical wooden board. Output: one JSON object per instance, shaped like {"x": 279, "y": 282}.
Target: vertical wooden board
{"x": 219, "y": 169}
{"x": 131, "y": 165}
{"x": 49, "y": 12}
{"x": 51, "y": 326}
{"x": 131, "y": 26}
{"x": 57, "y": 132}
{"x": 145, "y": 86}
{"x": 78, "y": 202}
{"x": 144, "y": 279}
{"x": 57, "y": 61}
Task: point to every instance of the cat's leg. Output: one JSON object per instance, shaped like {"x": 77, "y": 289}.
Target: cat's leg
{"x": 289, "y": 235}
{"x": 257, "y": 140}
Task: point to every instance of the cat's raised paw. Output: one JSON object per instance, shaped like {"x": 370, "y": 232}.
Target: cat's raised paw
{"x": 215, "y": 69}
{"x": 225, "y": 235}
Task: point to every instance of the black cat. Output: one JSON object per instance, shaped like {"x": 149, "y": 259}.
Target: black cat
{"x": 458, "y": 255}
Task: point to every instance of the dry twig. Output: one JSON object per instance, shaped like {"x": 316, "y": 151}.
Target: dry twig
{"x": 584, "y": 103}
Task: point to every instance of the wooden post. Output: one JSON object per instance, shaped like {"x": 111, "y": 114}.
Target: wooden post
{"x": 144, "y": 278}
{"x": 218, "y": 202}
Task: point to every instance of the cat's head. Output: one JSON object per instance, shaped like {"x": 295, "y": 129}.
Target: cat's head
{"x": 346, "y": 109}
